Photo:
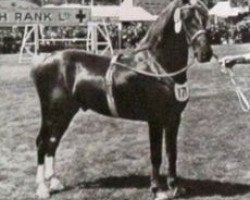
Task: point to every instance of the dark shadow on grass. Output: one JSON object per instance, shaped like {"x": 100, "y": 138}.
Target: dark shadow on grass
{"x": 195, "y": 188}
{"x": 207, "y": 188}
{"x": 131, "y": 181}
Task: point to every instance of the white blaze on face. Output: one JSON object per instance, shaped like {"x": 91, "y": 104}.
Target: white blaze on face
{"x": 177, "y": 20}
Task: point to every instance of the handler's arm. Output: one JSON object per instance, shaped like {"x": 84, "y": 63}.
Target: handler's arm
{"x": 241, "y": 59}
{"x": 230, "y": 61}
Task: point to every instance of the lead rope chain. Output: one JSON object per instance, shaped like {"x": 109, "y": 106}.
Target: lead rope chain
{"x": 241, "y": 96}
{"x": 243, "y": 101}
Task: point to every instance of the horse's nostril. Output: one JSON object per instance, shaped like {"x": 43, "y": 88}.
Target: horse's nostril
{"x": 210, "y": 54}
{"x": 196, "y": 54}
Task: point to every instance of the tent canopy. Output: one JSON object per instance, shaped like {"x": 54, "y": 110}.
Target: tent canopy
{"x": 224, "y": 10}
{"x": 17, "y": 4}
{"x": 125, "y": 12}
{"x": 128, "y": 12}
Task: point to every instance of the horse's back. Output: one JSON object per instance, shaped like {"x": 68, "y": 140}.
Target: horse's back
{"x": 66, "y": 64}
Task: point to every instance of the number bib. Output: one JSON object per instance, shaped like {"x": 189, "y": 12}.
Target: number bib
{"x": 181, "y": 92}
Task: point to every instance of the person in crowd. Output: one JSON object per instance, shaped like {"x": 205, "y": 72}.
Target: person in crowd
{"x": 131, "y": 34}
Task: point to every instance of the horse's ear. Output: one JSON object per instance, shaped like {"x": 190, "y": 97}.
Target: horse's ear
{"x": 177, "y": 20}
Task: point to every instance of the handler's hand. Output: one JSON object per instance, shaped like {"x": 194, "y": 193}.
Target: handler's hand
{"x": 228, "y": 61}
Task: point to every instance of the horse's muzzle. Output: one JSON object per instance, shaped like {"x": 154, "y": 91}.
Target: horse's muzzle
{"x": 204, "y": 55}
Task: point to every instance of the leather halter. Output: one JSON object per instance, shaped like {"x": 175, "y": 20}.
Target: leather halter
{"x": 193, "y": 38}
{"x": 196, "y": 35}
{"x": 198, "y": 12}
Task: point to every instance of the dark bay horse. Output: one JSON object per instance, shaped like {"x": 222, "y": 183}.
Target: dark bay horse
{"x": 149, "y": 86}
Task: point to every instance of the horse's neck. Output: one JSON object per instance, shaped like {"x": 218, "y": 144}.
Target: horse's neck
{"x": 171, "y": 51}
{"x": 169, "y": 48}
{"x": 145, "y": 61}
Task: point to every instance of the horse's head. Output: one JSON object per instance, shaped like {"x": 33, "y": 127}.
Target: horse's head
{"x": 191, "y": 16}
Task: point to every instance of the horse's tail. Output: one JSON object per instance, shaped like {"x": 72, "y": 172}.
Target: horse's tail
{"x": 36, "y": 63}
{"x": 41, "y": 69}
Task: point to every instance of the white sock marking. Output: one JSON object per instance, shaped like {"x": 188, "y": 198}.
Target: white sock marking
{"x": 40, "y": 174}
{"x": 49, "y": 167}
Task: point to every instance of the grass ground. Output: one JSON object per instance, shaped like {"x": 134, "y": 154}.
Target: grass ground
{"x": 108, "y": 159}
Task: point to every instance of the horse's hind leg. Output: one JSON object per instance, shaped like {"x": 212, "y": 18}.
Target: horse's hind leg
{"x": 42, "y": 190}
{"x": 56, "y": 116}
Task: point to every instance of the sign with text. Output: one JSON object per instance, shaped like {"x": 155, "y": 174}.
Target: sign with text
{"x": 45, "y": 16}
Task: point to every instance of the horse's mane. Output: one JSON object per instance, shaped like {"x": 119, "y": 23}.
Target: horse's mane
{"x": 156, "y": 31}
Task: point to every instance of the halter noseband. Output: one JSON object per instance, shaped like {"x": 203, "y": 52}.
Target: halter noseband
{"x": 196, "y": 35}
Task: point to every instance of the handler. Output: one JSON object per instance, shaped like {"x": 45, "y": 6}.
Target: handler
{"x": 228, "y": 62}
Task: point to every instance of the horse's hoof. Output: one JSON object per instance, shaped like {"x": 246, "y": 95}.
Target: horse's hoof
{"x": 179, "y": 191}
{"x": 176, "y": 192}
{"x": 55, "y": 185}
{"x": 42, "y": 192}
{"x": 161, "y": 195}
{"x": 154, "y": 188}
{"x": 169, "y": 194}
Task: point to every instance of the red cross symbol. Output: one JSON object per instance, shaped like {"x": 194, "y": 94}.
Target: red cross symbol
{"x": 80, "y": 16}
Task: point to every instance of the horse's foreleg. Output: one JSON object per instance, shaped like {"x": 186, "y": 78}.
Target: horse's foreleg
{"x": 171, "y": 151}
{"x": 155, "y": 136}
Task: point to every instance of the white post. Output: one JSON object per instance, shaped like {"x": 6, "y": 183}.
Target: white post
{"x": 120, "y": 35}
{"x": 109, "y": 42}
{"x": 27, "y": 45}
{"x": 23, "y": 44}
{"x": 94, "y": 39}
{"x": 88, "y": 44}
{"x": 36, "y": 39}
